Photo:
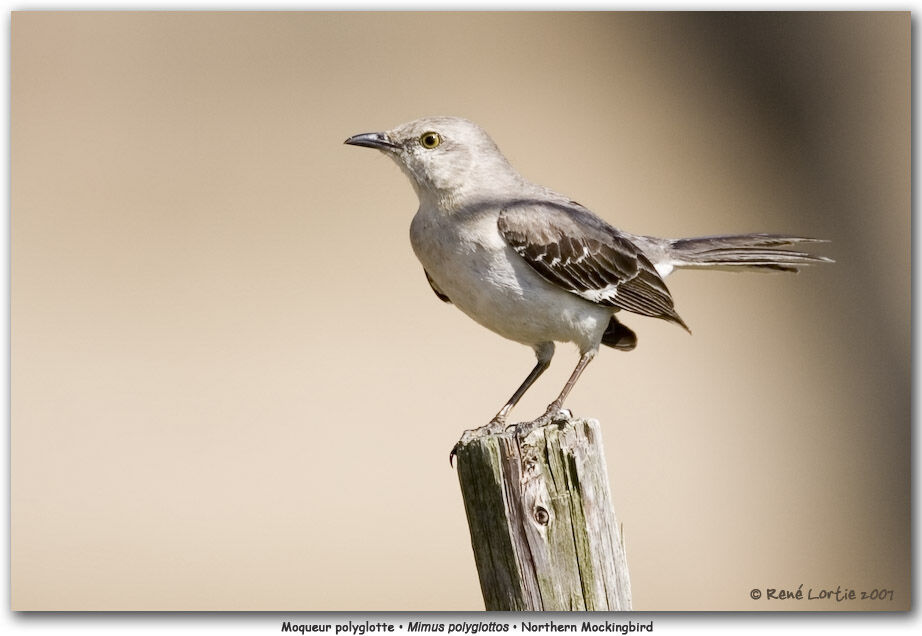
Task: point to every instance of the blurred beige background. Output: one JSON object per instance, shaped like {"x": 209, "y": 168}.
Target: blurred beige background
{"x": 232, "y": 387}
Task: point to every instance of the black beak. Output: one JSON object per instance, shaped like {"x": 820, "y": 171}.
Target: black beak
{"x": 371, "y": 140}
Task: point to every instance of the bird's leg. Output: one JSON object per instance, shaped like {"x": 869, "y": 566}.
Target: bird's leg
{"x": 498, "y": 423}
{"x": 544, "y": 352}
{"x": 554, "y": 407}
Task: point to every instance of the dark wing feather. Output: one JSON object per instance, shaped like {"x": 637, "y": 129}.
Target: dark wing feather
{"x": 438, "y": 292}
{"x": 574, "y": 249}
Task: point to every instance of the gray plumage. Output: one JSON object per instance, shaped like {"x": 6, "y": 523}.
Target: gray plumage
{"x": 535, "y": 266}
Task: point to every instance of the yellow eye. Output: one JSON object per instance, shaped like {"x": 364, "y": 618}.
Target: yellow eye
{"x": 430, "y": 140}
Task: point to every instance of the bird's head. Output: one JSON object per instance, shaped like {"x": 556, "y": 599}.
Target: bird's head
{"x": 449, "y": 160}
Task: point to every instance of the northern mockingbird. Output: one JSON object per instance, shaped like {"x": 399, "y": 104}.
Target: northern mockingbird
{"x": 535, "y": 266}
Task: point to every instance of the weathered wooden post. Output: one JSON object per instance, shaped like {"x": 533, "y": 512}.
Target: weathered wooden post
{"x": 542, "y": 524}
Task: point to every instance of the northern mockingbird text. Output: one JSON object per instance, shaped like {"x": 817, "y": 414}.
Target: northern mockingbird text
{"x": 535, "y": 266}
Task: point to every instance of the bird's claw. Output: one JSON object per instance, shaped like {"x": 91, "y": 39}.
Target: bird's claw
{"x": 552, "y": 414}
{"x": 451, "y": 455}
{"x": 496, "y": 425}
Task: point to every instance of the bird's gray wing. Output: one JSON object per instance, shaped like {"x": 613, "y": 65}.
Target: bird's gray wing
{"x": 438, "y": 292}
{"x": 574, "y": 249}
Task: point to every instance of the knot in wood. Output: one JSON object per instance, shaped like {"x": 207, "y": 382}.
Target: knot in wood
{"x": 542, "y": 516}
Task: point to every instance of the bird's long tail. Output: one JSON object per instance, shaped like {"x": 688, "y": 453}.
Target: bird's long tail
{"x": 761, "y": 252}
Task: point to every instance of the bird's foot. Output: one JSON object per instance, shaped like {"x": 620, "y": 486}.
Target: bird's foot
{"x": 553, "y": 414}
{"x": 495, "y": 426}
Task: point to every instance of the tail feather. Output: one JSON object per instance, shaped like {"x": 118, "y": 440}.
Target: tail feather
{"x": 743, "y": 251}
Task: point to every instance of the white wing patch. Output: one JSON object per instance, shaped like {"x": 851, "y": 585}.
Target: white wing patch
{"x": 663, "y": 269}
{"x": 599, "y": 295}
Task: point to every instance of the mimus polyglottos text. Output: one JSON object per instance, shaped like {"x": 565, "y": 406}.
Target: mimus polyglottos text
{"x": 535, "y": 266}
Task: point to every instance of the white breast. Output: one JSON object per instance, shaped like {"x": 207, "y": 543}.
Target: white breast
{"x": 473, "y": 265}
